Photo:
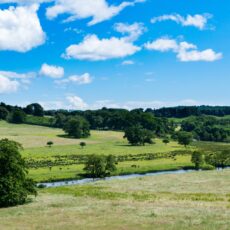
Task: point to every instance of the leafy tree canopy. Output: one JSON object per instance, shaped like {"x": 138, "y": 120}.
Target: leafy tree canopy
{"x": 14, "y": 184}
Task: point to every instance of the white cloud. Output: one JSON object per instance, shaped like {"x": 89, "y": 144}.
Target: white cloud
{"x": 186, "y": 52}
{"x": 12, "y": 81}
{"x": 98, "y": 10}
{"x": 76, "y": 103}
{"x": 7, "y": 85}
{"x": 25, "y": 2}
{"x": 199, "y": 21}
{"x": 76, "y": 79}
{"x": 52, "y": 71}
{"x": 128, "y": 62}
{"x": 134, "y": 30}
{"x": 207, "y": 55}
{"x": 94, "y": 49}
{"x": 20, "y": 29}
{"x": 162, "y": 44}
{"x": 15, "y": 75}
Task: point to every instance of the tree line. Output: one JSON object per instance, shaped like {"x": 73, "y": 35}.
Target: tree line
{"x": 186, "y": 111}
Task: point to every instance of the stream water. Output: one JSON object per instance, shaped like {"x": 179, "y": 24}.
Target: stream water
{"x": 121, "y": 177}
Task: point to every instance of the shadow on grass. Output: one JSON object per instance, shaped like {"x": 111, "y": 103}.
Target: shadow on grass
{"x": 67, "y": 137}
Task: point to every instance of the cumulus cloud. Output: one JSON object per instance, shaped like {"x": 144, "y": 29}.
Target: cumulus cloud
{"x": 133, "y": 31}
{"x": 20, "y": 29}
{"x": 12, "y": 81}
{"x": 199, "y": 21}
{"x": 76, "y": 79}
{"x": 186, "y": 52}
{"x": 98, "y": 10}
{"x": 15, "y": 75}
{"x": 94, "y": 49}
{"x": 76, "y": 103}
{"x": 7, "y": 85}
{"x": 194, "y": 55}
{"x": 162, "y": 44}
{"x": 52, "y": 71}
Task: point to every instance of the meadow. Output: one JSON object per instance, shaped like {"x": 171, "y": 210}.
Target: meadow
{"x": 65, "y": 159}
{"x": 197, "y": 200}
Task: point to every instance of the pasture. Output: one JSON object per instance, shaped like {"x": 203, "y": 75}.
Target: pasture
{"x": 64, "y": 159}
{"x": 198, "y": 200}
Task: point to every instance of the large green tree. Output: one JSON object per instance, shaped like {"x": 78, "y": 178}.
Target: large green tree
{"x": 14, "y": 184}
{"x": 35, "y": 109}
{"x": 77, "y": 127}
{"x": 136, "y": 135}
{"x": 184, "y": 138}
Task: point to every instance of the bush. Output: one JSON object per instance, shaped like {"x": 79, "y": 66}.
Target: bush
{"x": 14, "y": 184}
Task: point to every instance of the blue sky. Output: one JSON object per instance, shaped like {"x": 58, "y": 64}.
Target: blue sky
{"x": 86, "y": 54}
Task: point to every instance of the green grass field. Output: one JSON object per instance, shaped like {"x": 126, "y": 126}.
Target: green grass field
{"x": 65, "y": 157}
{"x": 34, "y": 139}
{"x": 193, "y": 201}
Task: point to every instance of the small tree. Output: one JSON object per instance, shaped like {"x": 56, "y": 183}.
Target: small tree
{"x": 14, "y": 184}
{"x": 197, "y": 159}
{"x": 82, "y": 144}
{"x": 50, "y": 143}
{"x": 184, "y": 138}
{"x": 166, "y": 140}
{"x": 99, "y": 166}
{"x": 110, "y": 164}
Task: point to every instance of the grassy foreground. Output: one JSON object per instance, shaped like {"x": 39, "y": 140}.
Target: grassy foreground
{"x": 196, "y": 201}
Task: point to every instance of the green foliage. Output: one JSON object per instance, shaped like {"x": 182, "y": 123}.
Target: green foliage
{"x": 35, "y": 109}
{"x": 184, "y": 138}
{"x": 3, "y": 113}
{"x": 41, "y": 121}
{"x": 197, "y": 159}
{"x": 17, "y": 116}
{"x": 82, "y": 144}
{"x": 98, "y": 166}
{"x": 14, "y": 185}
{"x": 207, "y": 128}
{"x": 218, "y": 159}
{"x": 50, "y": 143}
{"x": 77, "y": 127}
{"x": 136, "y": 135}
{"x": 60, "y": 120}
{"x": 166, "y": 140}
